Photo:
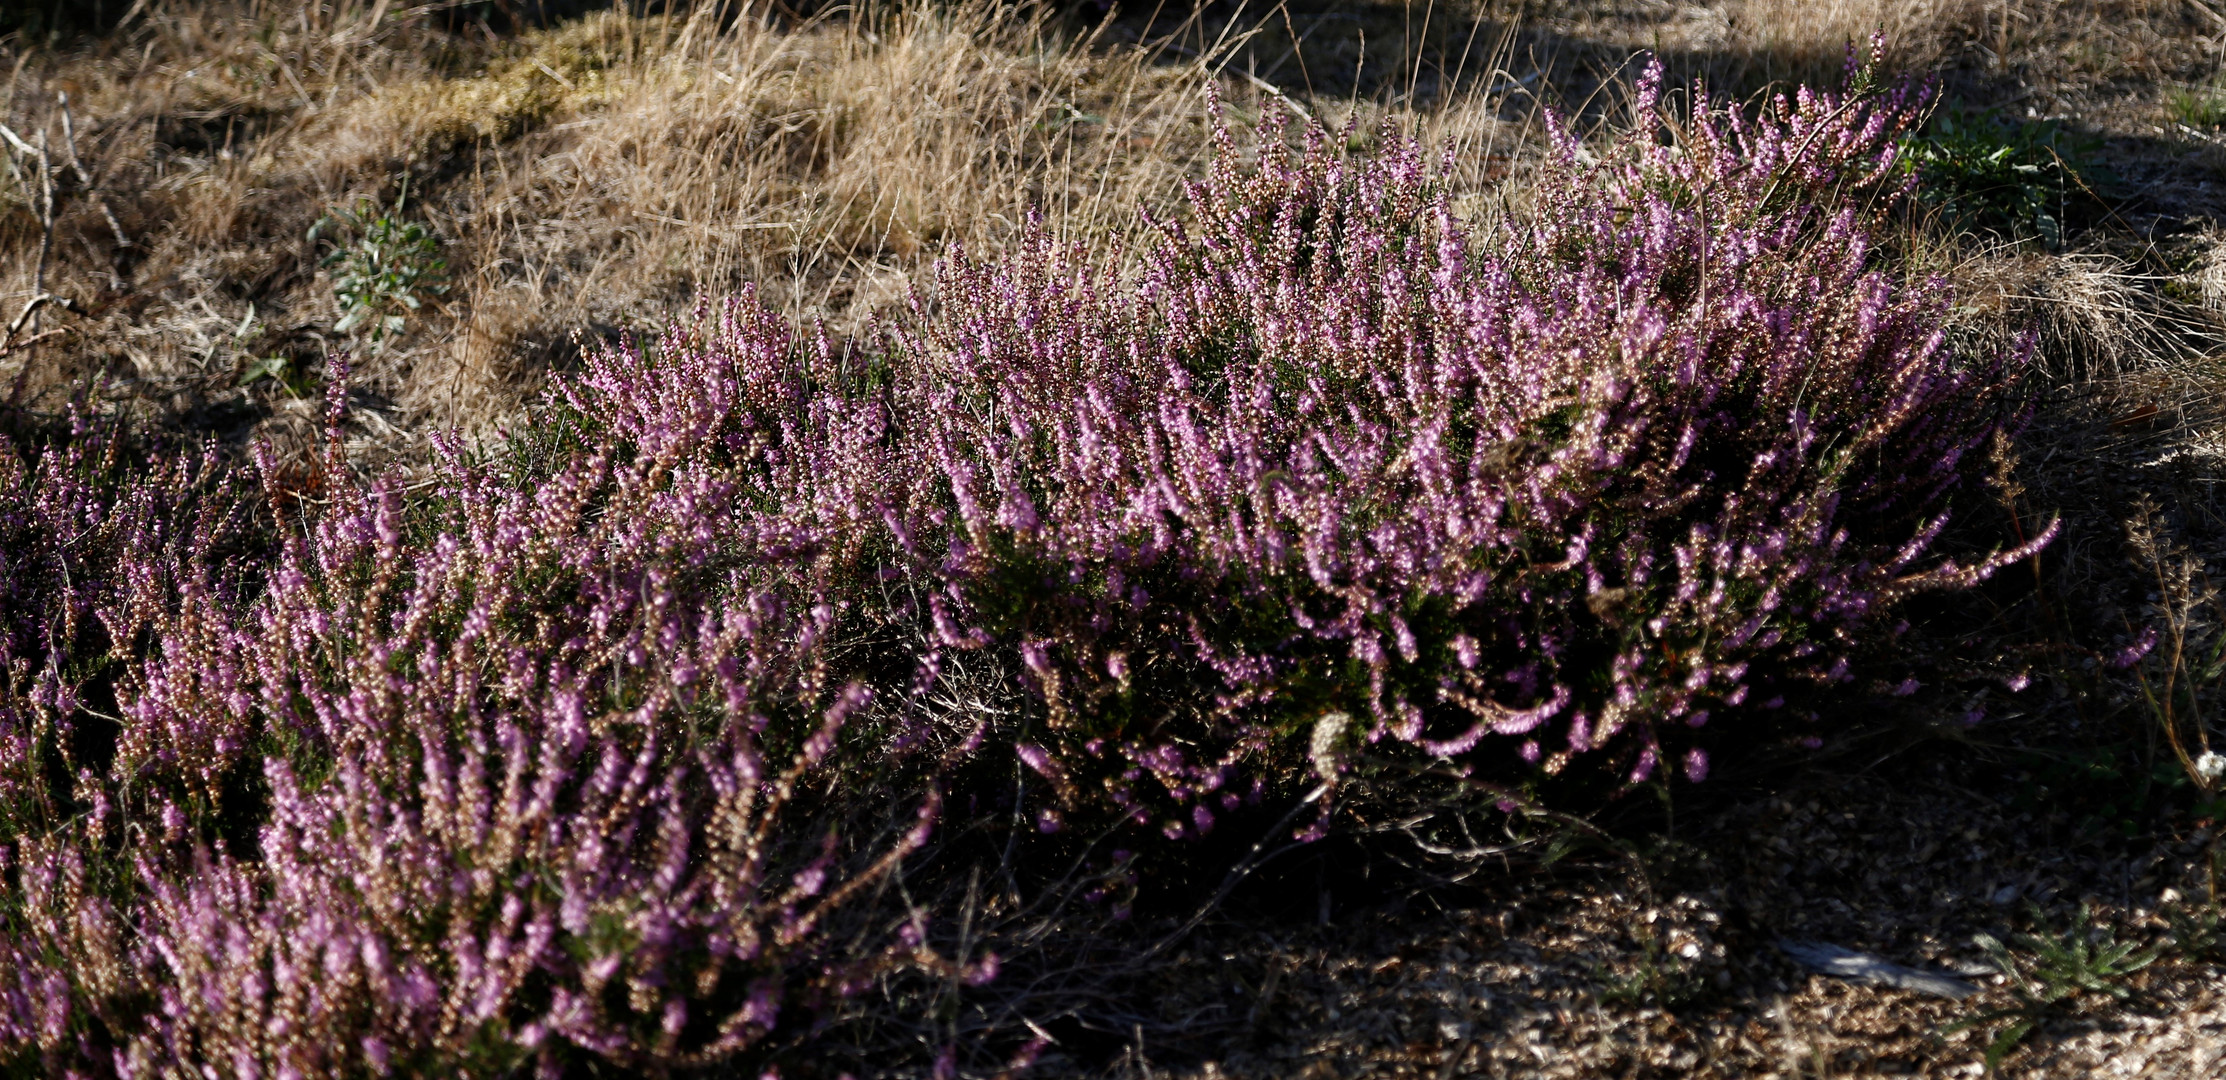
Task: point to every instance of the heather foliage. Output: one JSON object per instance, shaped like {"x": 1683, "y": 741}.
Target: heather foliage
{"x": 528, "y": 775}
{"x": 1341, "y": 471}
{"x": 600, "y": 748}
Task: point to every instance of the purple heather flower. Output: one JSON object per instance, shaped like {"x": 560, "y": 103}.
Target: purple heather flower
{"x": 2133, "y": 652}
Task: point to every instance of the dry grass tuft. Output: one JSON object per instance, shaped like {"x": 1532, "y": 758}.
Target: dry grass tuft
{"x": 1799, "y": 40}
{"x": 828, "y": 164}
{"x": 582, "y": 178}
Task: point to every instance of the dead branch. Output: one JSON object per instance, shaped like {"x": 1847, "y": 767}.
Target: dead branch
{"x": 31, "y": 309}
{"x": 34, "y": 339}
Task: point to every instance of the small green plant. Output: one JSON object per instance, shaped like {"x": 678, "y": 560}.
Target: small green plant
{"x": 1660, "y": 978}
{"x": 2085, "y": 959}
{"x": 1985, "y": 172}
{"x": 2200, "y": 106}
{"x": 280, "y": 370}
{"x": 2198, "y": 932}
{"x": 384, "y": 271}
{"x": 2112, "y": 788}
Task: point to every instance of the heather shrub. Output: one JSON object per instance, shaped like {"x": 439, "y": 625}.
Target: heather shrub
{"x": 527, "y": 773}
{"x": 598, "y": 748}
{"x": 1340, "y": 473}
{"x": 97, "y": 539}
{"x": 563, "y": 802}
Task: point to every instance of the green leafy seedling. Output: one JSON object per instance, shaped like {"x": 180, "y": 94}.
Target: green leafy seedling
{"x": 384, "y": 273}
{"x": 2198, "y": 931}
{"x": 2085, "y": 959}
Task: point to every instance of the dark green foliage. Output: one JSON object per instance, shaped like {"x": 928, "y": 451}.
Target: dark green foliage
{"x": 385, "y": 272}
{"x": 1984, "y": 172}
{"x": 2055, "y": 970}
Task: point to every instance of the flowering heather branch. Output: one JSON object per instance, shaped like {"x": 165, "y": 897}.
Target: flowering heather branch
{"x": 94, "y": 546}
{"x": 1814, "y": 150}
{"x": 561, "y": 753}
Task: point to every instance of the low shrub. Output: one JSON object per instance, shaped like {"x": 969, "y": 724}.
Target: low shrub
{"x": 502, "y": 775}
{"x": 1340, "y": 472}
{"x": 599, "y": 748}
